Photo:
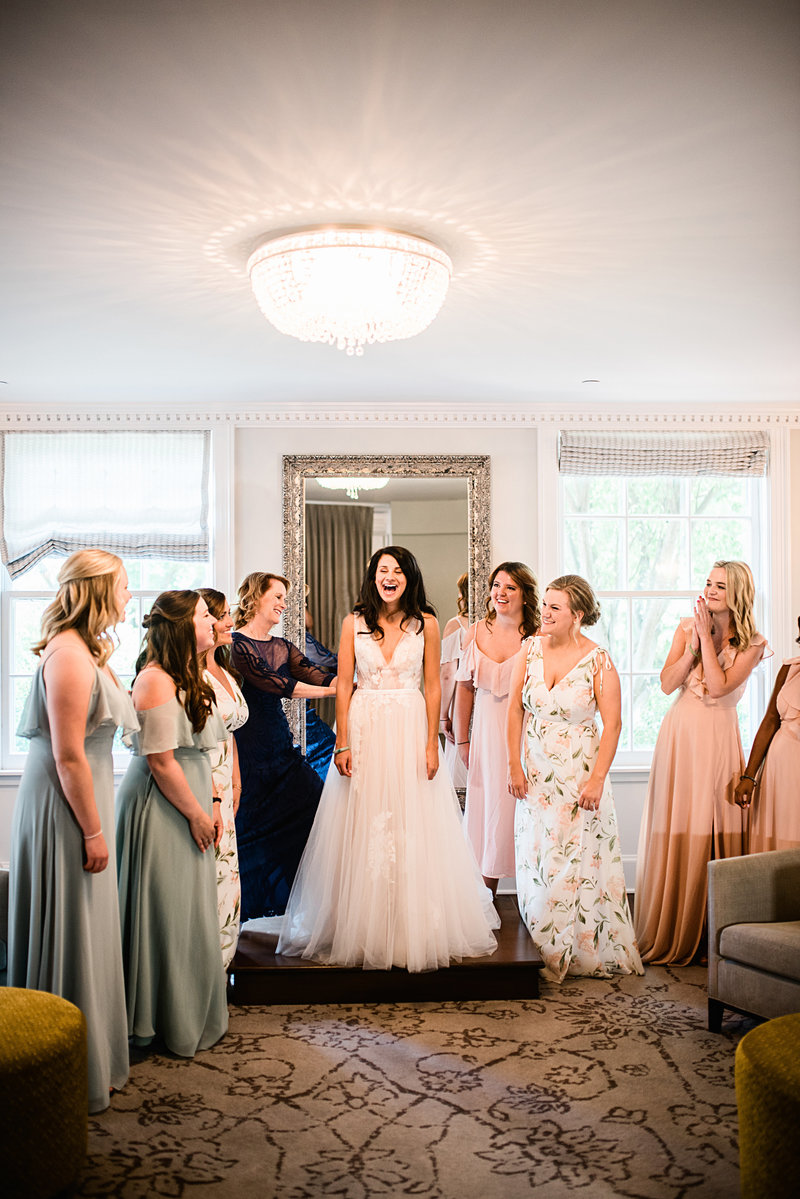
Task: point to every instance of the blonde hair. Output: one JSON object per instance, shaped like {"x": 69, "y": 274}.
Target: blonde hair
{"x": 462, "y": 606}
{"x": 85, "y": 602}
{"x": 252, "y": 589}
{"x": 580, "y": 595}
{"x": 740, "y": 595}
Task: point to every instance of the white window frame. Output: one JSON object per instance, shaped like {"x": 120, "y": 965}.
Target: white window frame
{"x": 771, "y": 568}
{"x": 221, "y": 559}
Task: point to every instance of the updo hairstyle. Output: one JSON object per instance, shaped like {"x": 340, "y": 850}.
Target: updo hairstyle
{"x": 581, "y": 597}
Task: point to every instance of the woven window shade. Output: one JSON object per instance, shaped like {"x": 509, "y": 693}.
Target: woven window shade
{"x": 137, "y": 494}
{"x": 663, "y": 453}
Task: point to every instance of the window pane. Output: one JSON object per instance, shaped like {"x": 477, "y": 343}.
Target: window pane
{"x": 658, "y": 555}
{"x": 612, "y": 631}
{"x": 593, "y": 495}
{"x": 625, "y": 735}
{"x": 594, "y": 550}
{"x": 21, "y": 687}
{"x": 129, "y": 633}
{"x": 658, "y": 496}
{"x": 650, "y": 705}
{"x": 164, "y": 575}
{"x": 41, "y": 577}
{"x": 26, "y": 624}
{"x": 654, "y": 623}
{"x": 720, "y": 497}
{"x": 714, "y": 540}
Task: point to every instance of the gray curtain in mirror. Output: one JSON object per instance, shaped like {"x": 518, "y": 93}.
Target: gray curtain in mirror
{"x": 338, "y": 542}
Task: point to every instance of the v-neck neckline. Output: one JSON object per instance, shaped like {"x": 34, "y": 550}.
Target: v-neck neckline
{"x": 388, "y": 661}
{"x": 552, "y": 688}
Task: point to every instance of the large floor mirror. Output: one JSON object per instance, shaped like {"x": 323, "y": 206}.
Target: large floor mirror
{"x": 339, "y": 508}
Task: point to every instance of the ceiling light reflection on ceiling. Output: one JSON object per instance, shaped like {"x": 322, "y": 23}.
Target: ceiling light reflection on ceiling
{"x": 349, "y": 287}
{"x": 352, "y": 487}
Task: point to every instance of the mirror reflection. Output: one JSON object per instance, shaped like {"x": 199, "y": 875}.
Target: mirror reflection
{"x": 436, "y": 506}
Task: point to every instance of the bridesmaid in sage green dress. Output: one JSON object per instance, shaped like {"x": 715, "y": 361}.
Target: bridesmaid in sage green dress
{"x": 166, "y": 833}
{"x": 63, "y": 916}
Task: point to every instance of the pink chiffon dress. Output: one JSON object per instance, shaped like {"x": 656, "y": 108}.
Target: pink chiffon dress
{"x": 775, "y": 814}
{"x": 489, "y": 812}
{"x": 451, "y": 652}
{"x": 690, "y": 815}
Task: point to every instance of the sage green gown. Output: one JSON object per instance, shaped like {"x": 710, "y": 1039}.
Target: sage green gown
{"x": 64, "y": 922}
{"x": 174, "y": 977}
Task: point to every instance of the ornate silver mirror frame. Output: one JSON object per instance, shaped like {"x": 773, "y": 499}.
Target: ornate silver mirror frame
{"x": 475, "y": 469}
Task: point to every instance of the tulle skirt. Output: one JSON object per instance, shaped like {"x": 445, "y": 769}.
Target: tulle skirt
{"x": 387, "y": 877}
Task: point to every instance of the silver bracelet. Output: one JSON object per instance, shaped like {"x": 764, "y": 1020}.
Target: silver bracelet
{"x": 92, "y": 836}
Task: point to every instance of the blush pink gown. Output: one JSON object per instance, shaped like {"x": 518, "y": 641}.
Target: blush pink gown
{"x": 489, "y": 811}
{"x": 690, "y": 816}
{"x": 775, "y": 814}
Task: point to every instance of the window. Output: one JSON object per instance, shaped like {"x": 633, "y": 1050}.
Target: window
{"x": 182, "y": 523}
{"x": 646, "y": 542}
{"x": 24, "y": 601}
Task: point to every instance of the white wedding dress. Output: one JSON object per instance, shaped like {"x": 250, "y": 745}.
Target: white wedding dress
{"x": 387, "y": 877}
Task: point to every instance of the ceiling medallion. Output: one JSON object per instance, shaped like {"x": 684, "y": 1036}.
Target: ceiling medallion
{"x": 349, "y": 287}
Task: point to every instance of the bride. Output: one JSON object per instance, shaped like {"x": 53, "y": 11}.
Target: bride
{"x": 387, "y": 878}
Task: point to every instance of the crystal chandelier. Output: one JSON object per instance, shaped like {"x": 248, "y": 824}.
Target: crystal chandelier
{"x": 352, "y": 487}
{"x": 349, "y": 287}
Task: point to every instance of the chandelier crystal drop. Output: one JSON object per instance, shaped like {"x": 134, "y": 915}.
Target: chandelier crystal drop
{"x": 352, "y": 487}
{"x": 349, "y": 287}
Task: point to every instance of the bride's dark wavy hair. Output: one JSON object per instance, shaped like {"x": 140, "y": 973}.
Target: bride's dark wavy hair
{"x": 170, "y": 642}
{"x": 414, "y": 601}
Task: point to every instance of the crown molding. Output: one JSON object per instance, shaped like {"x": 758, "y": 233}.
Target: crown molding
{"x": 296, "y": 415}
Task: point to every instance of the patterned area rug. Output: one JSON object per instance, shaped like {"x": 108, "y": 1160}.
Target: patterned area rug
{"x": 599, "y": 1088}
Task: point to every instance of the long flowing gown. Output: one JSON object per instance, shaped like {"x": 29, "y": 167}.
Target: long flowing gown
{"x": 451, "y": 652}
{"x": 233, "y": 711}
{"x": 570, "y": 881}
{"x": 775, "y": 814}
{"x": 690, "y": 815}
{"x": 280, "y": 790}
{"x": 174, "y": 977}
{"x": 490, "y": 809}
{"x": 63, "y": 922}
{"x": 387, "y": 878}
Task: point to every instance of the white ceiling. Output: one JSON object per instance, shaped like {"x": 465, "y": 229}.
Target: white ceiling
{"x": 616, "y": 182}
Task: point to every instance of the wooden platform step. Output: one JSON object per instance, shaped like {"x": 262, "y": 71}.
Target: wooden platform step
{"x": 258, "y": 975}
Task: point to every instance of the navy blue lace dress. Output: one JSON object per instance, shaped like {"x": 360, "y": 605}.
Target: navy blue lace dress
{"x": 280, "y": 790}
{"x": 320, "y": 737}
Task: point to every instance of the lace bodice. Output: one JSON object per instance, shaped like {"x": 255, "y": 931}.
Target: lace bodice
{"x": 402, "y": 672}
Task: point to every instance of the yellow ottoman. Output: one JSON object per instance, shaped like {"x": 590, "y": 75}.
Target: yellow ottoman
{"x": 44, "y": 1093}
{"x": 768, "y": 1097}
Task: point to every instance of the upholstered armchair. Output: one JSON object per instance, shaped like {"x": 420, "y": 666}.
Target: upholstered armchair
{"x": 754, "y": 935}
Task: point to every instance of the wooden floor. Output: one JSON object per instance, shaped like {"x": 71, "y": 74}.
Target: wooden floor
{"x": 258, "y": 975}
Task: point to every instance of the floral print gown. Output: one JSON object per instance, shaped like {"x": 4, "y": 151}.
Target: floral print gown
{"x": 233, "y": 710}
{"x": 570, "y": 882}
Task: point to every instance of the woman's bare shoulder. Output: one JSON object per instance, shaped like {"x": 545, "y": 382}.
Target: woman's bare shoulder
{"x": 153, "y": 686}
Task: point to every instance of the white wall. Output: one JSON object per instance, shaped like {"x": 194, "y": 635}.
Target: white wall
{"x": 256, "y": 457}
